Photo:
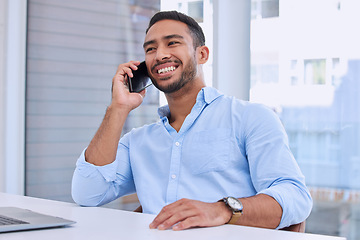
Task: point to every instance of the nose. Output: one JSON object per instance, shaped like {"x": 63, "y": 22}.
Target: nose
{"x": 162, "y": 53}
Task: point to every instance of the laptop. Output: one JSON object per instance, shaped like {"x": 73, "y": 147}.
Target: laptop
{"x": 18, "y": 219}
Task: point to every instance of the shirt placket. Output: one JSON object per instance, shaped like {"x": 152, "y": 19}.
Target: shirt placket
{"x": 174, "y": 174}
{"x": 175, "y": 164}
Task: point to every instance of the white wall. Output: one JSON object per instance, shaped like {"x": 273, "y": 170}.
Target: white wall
{"x": 3, "y": 5}
{"x": 12, "y": 95}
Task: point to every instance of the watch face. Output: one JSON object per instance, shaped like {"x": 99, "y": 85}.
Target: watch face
{"x": 234, "y": 203}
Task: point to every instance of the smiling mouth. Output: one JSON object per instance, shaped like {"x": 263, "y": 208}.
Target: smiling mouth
{"x": 166, "y": 70}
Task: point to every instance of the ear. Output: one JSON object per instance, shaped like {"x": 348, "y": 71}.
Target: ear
{"x": 203, "y": 54}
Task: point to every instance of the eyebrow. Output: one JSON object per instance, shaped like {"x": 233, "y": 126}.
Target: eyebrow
{"x": 165, "y": 37}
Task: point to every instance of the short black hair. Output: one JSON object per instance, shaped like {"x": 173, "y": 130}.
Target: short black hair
{"x": 195, "y": 30}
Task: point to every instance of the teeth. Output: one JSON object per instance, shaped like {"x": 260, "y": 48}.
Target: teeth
{"x": 167, "y": 69}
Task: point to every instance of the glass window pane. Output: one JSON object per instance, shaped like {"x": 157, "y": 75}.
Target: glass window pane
{"x": 264, "y": 8}
{"x": 196, "y": 10}
{"x": 317, "y": 96}
{"x": 314, "y": 71}
{"x": 270, "y": 8}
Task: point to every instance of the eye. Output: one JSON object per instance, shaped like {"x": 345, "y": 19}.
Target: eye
{"x": 173, "y": 43}
{"x": 149, "y": 49}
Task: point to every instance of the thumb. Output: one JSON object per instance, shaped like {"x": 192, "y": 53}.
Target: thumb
{"x": 142, "y": 93}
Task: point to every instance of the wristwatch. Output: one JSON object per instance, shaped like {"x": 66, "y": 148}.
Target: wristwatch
{"x": 235, "y": 206}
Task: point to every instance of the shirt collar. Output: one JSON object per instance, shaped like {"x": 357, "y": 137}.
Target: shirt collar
{"x": 206, "y": 94}
{"x": 164, "y": 111}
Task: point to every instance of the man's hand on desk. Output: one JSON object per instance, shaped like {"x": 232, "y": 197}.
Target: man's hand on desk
{"x": 185, "y": 213}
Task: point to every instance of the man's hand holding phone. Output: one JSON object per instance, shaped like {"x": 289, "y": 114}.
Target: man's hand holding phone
{"x": 102, "y": 148}
{"x": 121, "y": 96}
{"x": 140, "y": 79}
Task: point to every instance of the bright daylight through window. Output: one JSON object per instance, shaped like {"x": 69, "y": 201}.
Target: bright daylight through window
{"x": 305, "y": 64}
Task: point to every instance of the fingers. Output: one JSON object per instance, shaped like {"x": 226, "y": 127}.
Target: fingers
{"x": 123, "y": 70}
{"x": 126, "y": 69}
{"x": 187, "y": 223}
{"x": 162, "y": 220}
{"x": 121, "y": 97}
{"x": 169, "y": 215}
{"x": 182, "y": 214}
{"x": 185, "y": 213}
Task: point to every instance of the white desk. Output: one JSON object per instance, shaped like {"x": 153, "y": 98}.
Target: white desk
{"x": 103, "y": 223}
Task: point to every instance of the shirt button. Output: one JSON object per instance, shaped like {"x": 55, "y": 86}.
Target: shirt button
{"x": 173, "y": 176}
{"x": 177, "y": 144}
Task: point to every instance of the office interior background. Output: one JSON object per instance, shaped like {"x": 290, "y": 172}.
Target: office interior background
{"x": 299, "y": 57}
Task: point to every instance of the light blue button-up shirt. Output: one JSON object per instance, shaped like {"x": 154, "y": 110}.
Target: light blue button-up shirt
{"x": 225, "y": 147}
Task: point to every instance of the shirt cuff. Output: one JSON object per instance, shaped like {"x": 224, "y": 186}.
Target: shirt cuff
{"x": 296, "y": 204}
{"x": 276, "y": 196}
{"x": 86, "y": 169}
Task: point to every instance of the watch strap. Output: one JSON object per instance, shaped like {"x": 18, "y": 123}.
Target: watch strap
{"x": 235, "y": 217}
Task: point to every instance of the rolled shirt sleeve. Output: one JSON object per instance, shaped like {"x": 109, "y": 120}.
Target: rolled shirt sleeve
{"x": 273, "y": 168}
{"x": 97, "y": 185}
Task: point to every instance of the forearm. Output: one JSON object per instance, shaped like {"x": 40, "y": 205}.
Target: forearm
{"x": 260, "y": 211}
{"x": 102, "y": 148}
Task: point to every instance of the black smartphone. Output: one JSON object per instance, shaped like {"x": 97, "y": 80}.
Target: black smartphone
{"x": 140, "y": 80}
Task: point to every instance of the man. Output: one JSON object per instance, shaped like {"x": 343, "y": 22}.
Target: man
{"x": 210, "y": 160}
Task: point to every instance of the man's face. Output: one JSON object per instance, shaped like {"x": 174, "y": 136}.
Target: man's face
{"x": 170, "y": 55}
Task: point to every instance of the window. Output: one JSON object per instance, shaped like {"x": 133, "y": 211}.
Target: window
{"x": 264, "y": 8}
{"x": 196, "y": 10}
{"x": 317, "y": 97}
{"x": 193, "y": 8}
{"x": 315, "y": 71}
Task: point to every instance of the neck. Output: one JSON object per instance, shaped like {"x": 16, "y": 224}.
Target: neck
{"x": 181, "y": 102}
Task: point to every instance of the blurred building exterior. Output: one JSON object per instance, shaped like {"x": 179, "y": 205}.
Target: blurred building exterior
{"x": 306, "y": 66}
